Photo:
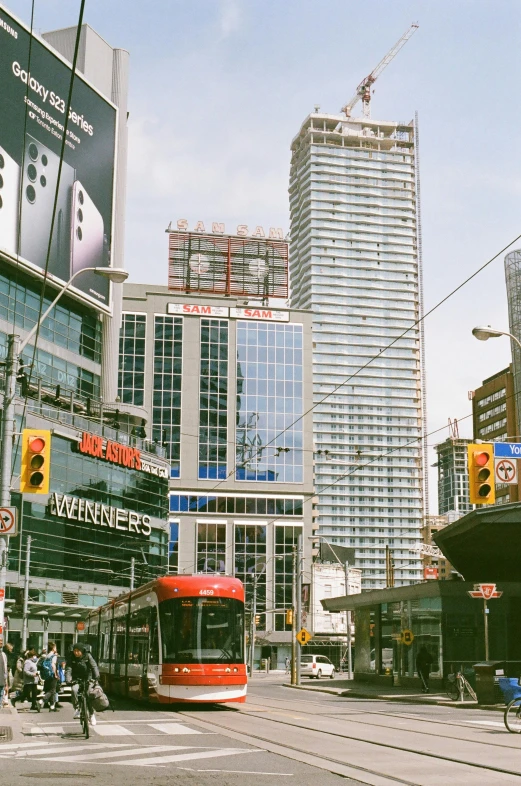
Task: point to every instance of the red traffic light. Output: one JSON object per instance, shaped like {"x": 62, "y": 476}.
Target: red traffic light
{"x": 481, "y": 459}
{"x": 36, "y": 444}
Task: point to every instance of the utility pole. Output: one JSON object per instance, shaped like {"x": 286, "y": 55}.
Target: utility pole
{"x": 294, "y": 621}
{"x": 485, "y": 619}
{"x": 298, "y": 622}
{"x": 253, "y": 625}
{"x": 25, "y": 614}
{"x": 348, "y": 626}
{"x": 6, "y": 455}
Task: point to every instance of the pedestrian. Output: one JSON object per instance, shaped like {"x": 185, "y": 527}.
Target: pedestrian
{"x": 11, "y": 666}
{"x": 48, "y": 671}
{"x": 18, "y": 679}
{"x": 81, "y": 666}
{"x": 424, "y": 662}
{"x": 288, "y": 664}
{"x": 31, "y": 681}
{"x": 4, "y": 677}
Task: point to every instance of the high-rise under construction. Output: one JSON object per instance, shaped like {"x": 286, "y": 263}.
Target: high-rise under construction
{"x": 355, "y": 263}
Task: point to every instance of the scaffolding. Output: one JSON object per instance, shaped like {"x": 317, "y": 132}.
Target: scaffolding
{"x": 513, "y": 282}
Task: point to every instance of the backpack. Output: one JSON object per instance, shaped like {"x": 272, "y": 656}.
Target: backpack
{"x": 45, "y": 667}
{"x": 98, "y": 699}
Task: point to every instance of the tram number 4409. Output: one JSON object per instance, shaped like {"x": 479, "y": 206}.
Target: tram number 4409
{"x": 206, "y": 592}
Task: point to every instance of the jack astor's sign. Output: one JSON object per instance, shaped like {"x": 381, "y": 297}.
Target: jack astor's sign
{"x": 76, "y": 509}
{"x": 116, "y": 453}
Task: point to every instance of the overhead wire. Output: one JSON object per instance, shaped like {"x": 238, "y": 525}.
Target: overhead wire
{"x": 384, "y": 349}
{"x": 53, "y": 219}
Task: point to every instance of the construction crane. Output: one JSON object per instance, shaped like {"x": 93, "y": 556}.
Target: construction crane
{"x": 363, "y": 91}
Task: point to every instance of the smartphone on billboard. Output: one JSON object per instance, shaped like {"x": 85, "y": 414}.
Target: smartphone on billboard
{"x": 9, "y": 197}
{"x": 87, "y": 231}
{"x": 39, "y": 181}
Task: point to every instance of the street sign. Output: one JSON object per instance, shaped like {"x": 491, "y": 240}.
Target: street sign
{"x": 506, "y": 470}
{"x": 507, "y": 450}
{"x": 485, "y": 591}
{"x": 407, "y": 637}
{"x": 303, "y": 636}
{"x": 8, "y": 522}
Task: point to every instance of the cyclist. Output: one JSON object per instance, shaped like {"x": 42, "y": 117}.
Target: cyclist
{"x": 81, "y": 666}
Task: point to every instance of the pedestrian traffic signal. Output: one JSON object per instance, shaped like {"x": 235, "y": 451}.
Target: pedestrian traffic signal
{"x": 482, "y": 490}
{"x": 36, "y": 461}
{"x": 289, "y": 617}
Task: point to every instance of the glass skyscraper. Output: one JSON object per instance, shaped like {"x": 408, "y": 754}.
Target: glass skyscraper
{"x": 230, "y": 392}
{"x": 354, "y": 263}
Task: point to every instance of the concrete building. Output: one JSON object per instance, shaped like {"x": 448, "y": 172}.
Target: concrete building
{"x": 228, "y": 388}
{"x": 494, "y": 419}
{"x": 432, "y": 525}
{"x": 354, "y": 262}
{"x": 453, "y": 476}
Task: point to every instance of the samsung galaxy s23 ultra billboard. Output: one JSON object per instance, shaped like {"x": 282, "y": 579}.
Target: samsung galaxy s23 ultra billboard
{"x": 35, "y": 196}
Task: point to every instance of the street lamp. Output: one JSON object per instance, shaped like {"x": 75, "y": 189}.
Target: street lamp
{"x": 345, "y": 565}
{"x": 14, "y": 348}
{"x": 486, "y": 332}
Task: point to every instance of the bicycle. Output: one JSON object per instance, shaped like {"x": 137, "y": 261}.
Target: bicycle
{"x": 457, "y": 686}
{"x": 511, "y": 689}
{"x": 83, "y": 706}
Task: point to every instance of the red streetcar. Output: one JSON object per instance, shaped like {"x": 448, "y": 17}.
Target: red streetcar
{"x": 176, "y": 639}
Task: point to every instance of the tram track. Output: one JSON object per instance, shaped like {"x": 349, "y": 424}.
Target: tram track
{"x": 270, "y": 734}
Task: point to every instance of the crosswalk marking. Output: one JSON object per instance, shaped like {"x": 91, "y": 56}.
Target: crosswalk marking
{"x": 158, "y": 760}
{"x": 488, "y": 723}
{"x": 59, "y": 747}
{"x": 173, "y": 728}
{"x": 112, "y": 730}
{"x": 83, "y": 757}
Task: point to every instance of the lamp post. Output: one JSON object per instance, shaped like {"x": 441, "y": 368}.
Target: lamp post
{"x": 14, "y": 349}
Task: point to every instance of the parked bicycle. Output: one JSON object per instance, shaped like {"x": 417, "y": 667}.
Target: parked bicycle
{"x": 458, "y": 687}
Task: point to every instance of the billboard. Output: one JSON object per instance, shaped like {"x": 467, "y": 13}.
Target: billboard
{"x": 34, "y": 86}
{"x": 227, "y": 264}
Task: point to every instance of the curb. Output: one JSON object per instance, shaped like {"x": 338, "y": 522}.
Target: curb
{"x": 346, "y": 694}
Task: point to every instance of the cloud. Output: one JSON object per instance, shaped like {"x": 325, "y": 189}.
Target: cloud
{"x": 229, "y": 17}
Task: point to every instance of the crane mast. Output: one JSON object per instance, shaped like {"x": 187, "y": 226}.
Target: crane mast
{"x": 363, "y": 91}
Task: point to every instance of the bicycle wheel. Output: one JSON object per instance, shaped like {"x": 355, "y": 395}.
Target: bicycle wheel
{"x": 85, "y": 717}
{"x": 513, "y": 716}
{"x": 451, "y": 687}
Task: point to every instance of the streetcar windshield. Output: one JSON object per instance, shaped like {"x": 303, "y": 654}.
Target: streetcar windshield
{"x": 202, "y": 630}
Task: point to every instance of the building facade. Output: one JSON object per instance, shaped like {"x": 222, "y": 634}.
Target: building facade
{"x": 443, "y": 570}
{"x": 453, "y": 476}
{"x": 494, "y": 419}
{"x": 229, "y": 389}
{"x": 354, "y": 263}
{"x": 103, "y": 523}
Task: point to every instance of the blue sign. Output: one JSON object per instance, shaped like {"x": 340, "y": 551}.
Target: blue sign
{"x": 507, "y": 450}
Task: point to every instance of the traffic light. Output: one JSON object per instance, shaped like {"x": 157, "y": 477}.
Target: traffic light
{"x": 289, "y": 617}
{"x": 482, "y": 490}
{"x": 257, "y": 619}
{"x": 36, "y": 461}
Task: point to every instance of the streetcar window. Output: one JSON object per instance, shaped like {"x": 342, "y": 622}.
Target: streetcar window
{"x": 202, "y": 630}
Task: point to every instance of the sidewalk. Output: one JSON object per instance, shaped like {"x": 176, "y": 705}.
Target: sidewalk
{"x": 360, "y": 690}
{"x": 12, "y": 723}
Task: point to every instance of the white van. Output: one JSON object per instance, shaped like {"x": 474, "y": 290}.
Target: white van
{"x": 316, "y": 666}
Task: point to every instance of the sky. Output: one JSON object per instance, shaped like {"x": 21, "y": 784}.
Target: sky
{"x": 218, "y": 89}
